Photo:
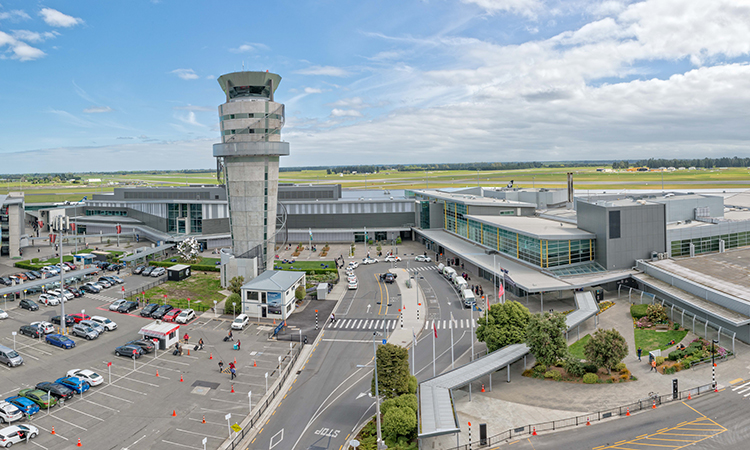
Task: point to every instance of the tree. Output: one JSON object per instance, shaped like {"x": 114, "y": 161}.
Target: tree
{"x": 656, "y": 313}
{"x": 399, "y": 421}
{"x": 546, "y": 339}
{"x": 235, "y": 284}
{"x": 233, "y": 302}
{"x": 505, "y": 325}
{"x": 393, "y": 371}
{"x": 299, "y": 293}
{"x": 606, "y": 348}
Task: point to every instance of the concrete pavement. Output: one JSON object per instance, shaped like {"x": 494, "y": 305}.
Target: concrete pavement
{"x": 413, "y": 310}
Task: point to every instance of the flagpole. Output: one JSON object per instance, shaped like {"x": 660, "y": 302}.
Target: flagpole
{"x": 452, "y": 366}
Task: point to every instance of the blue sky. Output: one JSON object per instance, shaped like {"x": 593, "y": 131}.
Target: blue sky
{"x": 98, "y": 86}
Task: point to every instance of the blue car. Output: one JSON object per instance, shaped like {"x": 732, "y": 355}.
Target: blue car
{"x": 60, "y": 341}
{"x": 75, "y": 383}
{"x": 24, "y": 404}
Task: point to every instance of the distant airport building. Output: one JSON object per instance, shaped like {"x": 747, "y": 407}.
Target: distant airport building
{"x": 12, "y": 224}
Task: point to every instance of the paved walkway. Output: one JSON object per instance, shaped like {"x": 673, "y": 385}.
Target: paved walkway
{"x": 413, "y": 310}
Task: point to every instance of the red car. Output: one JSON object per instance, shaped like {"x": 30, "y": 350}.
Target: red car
{"x": 79, "y": 317}
{"x": 171, "y": 315}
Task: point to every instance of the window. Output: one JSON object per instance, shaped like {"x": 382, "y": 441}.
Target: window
{"x": 252, "y": 295}
{"x": 614, "y": 224}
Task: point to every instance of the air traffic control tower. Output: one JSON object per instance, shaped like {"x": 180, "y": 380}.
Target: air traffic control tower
{"x": 248, "y": 162}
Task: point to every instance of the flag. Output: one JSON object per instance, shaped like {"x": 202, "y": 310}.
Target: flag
{"x": 118, "y": 228}
{"x": 488, "y": 304}
{"x": 310, "y": 231}
{"x": 500, "y": 291}
{"x": 434, "y": 328}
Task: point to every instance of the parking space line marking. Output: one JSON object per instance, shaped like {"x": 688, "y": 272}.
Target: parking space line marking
{"x": 48, "y": 431}
{"x": 113, "y": 396}
{"x": 145, "y": 382}
{"x": 225, "y": 401}
{"x": 100, "y": 405}
{"x": 220, "y": 324}
{"x": 181, "y": 445}
{"x": 80, "y": 412}
{"x": 69, "y": 423}
{"x": 127, "y": 389}
{"x": 176, "y": 362}
{"x": 199, "y": 434}
{"x": 39, "y": 445}
{"x": 213, "y": 410}
{"x": 212, "y": 423}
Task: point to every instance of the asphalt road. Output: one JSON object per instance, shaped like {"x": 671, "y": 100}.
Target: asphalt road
{"x": 713, "y": 421}
{"x": 331, "y": 396}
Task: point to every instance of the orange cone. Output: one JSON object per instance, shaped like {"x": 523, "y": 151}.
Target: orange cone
{"x": 534, "y": 433}
{"x": 181, "y": 380}
{"x": 255, "y": 364}
{"x": 232, "y": 389}
{"x": 588, "y": 422}
{"x": 628, "y": 412}
{"x": 274, "y": 321}
{"x": 654, "y": 407}
{"x": 204, "y": 418}
{"x": 211, "y": 356}
{"x": 53, "y": 430}
{"x": 157, "y": 372}
{"x": 482, "y": 388}
{"x": 174, "y": 413}
{"x": 689, "y": 396}
{"x": 235, "y": 361}
{"x": 188, "y": 352}
{"x": 79, "y": 443}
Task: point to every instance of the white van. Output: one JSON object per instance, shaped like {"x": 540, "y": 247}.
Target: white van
{"x": 459, "y": 283}
{"x": 449, "y": 273}
{"x": 468, "y": 298}
{"x": 440, "y": 267}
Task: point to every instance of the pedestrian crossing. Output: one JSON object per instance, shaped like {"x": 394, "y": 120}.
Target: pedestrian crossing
{"x": 346, "y": 324}
{"x": 742, "y": 389}
{"x": 101, "y": 298}
{"x": 421, "y": 269}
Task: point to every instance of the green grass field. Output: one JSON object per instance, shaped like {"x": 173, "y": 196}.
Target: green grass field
{"x": 584, "y": 178}
{"x": 576, "y": 349}
{"x": 651, "y": 340}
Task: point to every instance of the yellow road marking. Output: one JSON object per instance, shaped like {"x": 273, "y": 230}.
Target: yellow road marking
{"x": 737, "y": 381}
{"x": 659, "y": 431}
{"x": 380, "y": 288}
{"x": 253, "y": 441}
{"x": 387, "y": 298}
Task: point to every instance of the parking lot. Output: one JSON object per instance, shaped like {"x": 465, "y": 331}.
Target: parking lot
{"x": 136, "y": 405}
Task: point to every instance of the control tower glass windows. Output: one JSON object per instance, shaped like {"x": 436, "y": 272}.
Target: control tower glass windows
{"x": 249, "y": 92}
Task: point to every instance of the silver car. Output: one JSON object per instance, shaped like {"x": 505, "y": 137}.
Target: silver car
{"x": 85, "y": 332}
{"x": 91, "y": 324}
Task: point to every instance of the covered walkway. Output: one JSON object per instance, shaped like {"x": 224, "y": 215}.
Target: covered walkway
{"x": 437, "y": 412}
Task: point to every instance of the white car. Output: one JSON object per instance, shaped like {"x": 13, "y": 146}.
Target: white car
{"x": 46, "y": 327}
{"x": 391, "y": 258}
{"x": 159, "y": 271}
{"x": 369, "y": 261}
{"x": 3, "y": 314}
{"x": 353, "y": 285}
{"x": 17, "y": 433}
{"x": 353, "y": 264}
{"x": 116, "y": 304}
{"x": 49, "y": 299}
{"x": 65, "y": 294}
{"x": 240, "y": 322}
{"x": 423, "y": 258}
{"x": 9, "y": 413}
{"x": 89, "y": 376}
{"x": 351, "y": 279}
{"x": 104, "y": 323}
{"x": 185, "y": 316}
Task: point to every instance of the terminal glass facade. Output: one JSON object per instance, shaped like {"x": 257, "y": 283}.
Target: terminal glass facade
{"x": 539, "y": 252}
{"x": 710, "y": 244}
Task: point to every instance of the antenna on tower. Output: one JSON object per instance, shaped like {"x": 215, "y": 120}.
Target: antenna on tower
{"x": 243, "y": 66}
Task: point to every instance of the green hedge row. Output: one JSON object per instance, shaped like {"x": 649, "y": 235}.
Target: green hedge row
{"x": 201, "y": 267}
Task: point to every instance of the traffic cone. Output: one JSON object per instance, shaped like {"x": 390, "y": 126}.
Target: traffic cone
{"x": 174, "y": 413}
{"x": 689, "y": 396}
{"x": 232, "y": 389}
{"x": 534, "y": 433}
{"x": 255, "y": 364}
{"x": 628, "y": 412}
{"x": 79, "y": 443}
{"x": 235, "y": 361}
{"x": 157, "y": 372}
{"x": 274, "y": 321}
{"x": 588, "y": 422}
{"x": 654, "y": 407}
{"x": 211, "y": 356}
{"x": 204, "y": 418}
{"x": 181, "y": 380}
{"x": 188, "y": 352}
{"x": 482, "y": 388}
{"x": 53, "y": 429}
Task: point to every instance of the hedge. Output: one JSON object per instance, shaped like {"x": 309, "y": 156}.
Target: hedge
{"x": 639, "y": 311}
{"x": 590, "y": 378}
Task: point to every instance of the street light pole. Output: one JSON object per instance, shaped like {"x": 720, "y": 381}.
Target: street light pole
{"x": 379, "y": 442}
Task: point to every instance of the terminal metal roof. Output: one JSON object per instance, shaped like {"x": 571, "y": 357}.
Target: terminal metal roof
{"x": 536, "y": 227}
{"x": 147, "y": 252}
{"x": 274, "y": 280}
{"x": 437, "y": 412}
{"x": 39, "y": 283}
{"x": 473, "y": 199}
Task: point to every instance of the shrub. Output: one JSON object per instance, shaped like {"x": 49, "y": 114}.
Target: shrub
{"x": 676, "y": 326}
{"x": 620, "y": 367}
{"x": 656, "y": 313}
{"x": 553, "y": 374}
{"x": 407, "y": 401}
{"x": 660, "y": 360}
{"x": 574, "y": 367}
{"x": 387, "y": 405}
{"x": 412, "y": 385}
{"x": 675, "y": 355}
{"x": 590, "y": 378}
{"x": 591, "y": 368}
{"x": 625, "y": 374}
{"x": 540, "y": 369}
{"x": 399, "y": 422}
{"x": 638, "y": 311}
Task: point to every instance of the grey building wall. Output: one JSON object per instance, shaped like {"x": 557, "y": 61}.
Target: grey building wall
{"x": 371, "y": 221}
{"x": 436, "y": 215}
{"x": 683, "y": 208}
{"x": 215, "y": 226}
{"x": 165, "y": 193}
{"x": 642, "y": 230}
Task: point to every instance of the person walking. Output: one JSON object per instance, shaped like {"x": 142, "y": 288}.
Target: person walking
{"x": 238, "y": 344}
{"x": 221, "y": 366}
{"x": 333, "y": 317}
{"x": 653, "y": 365}
{"x": 200, "y": 344}
{"x": 234, "y": 372}
{"x": 640, "y": 351}
{"x": 186, "y": 338}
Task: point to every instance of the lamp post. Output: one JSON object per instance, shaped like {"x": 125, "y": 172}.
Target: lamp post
{"x": 713, "y": 364}
{"x": 380, "y": 444}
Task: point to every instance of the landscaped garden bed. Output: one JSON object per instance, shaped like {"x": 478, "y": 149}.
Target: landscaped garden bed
{"x": 698, "y": 352}
{"x": 653, "y": 330}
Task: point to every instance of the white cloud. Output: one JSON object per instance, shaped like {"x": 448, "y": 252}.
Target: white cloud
{"x": 19, "y": 49}
{"x": 309, "y": 90}
{"x": 71, "y": 119}
{"x": 195, "y": 108}
{"x": 32, "y": 36}
{"x": 249, "y": 48}
{"x": 528, "y": 8}
{"x": 353, "y": 102}
{"x": 15, "y": 15}
{"x": 324, "y": 70}
{"x": 97, "y": 109}
{"x": 186, "y": 74}
{"x": 190, "y": 119}
{"x": 345, "y": 113}
{"x": 55, "y": 18}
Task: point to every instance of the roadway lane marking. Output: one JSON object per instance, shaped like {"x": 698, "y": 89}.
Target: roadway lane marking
{"x": 101, "y": 406}
{"x": 740, "y": 387}
{"x": 49, "y": 431}
{"x": 81, "y": 412}
{"x": 113, "y": 396}
{"x": 181, "y": 445}
{"x": 199, "y": 434}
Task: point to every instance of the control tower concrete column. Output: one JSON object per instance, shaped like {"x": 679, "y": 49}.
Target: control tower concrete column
{"x": 248, "y": 160}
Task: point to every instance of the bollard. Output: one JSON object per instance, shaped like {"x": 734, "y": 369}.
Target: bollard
{"x": 316, "y": 319}
{"x": 469, "y": 435}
